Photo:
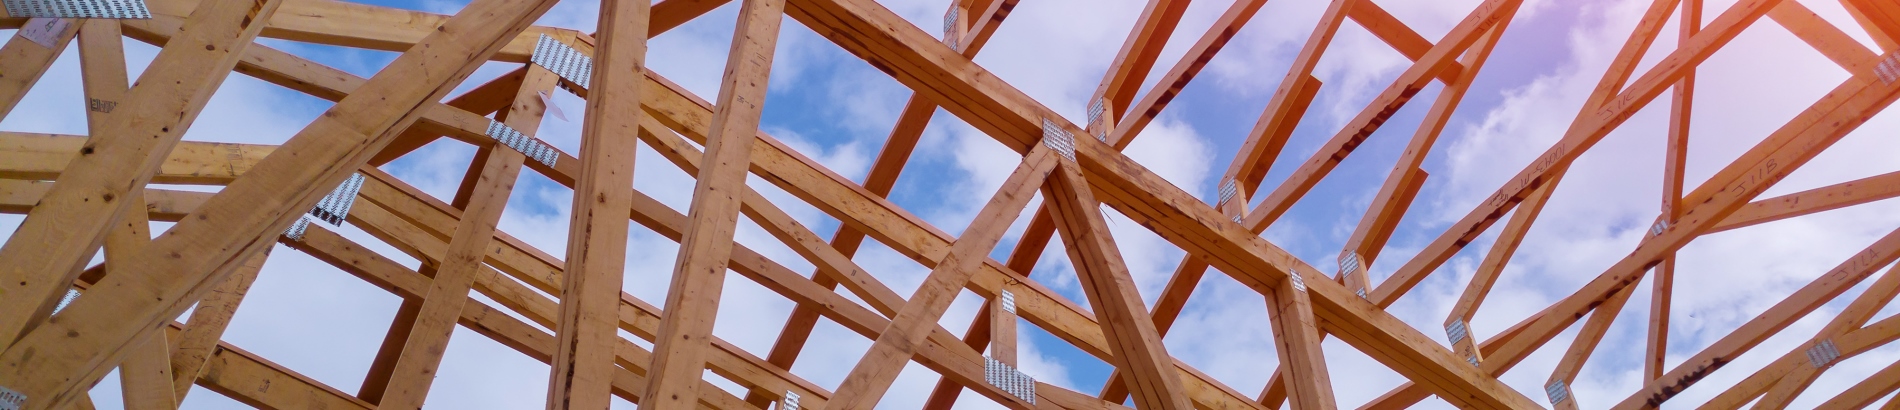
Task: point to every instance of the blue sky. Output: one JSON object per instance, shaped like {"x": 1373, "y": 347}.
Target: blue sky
{"x": 835, "y": 108}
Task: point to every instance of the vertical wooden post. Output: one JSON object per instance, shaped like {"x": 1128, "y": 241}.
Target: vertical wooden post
{"x": 586, "y": 330}
{"x": 692, "y": 301}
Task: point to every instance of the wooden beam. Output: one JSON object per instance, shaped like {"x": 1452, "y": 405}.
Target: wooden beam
{"x": 1845, "y": 51}
{"x": 597, "y": 237}
{"x": 1406, "y": 178}
{"x": 1144, "y": 362}
{"x": 198, "y": 341}
{"x": 1812, "y": 201}
{"x": 1284, "y": 111}
{"x": 1862, "y": 395}
{"x": 32, "y": 156}
{"x": 1881, "y": 18}
{"x": 51, "y": 364}
{"x": 25, "y": 60}
{"x": 1137, "y": 56}
{"x": 1137, "y": 116}
{"x": 879, "y": 180}
{"x": 693, "y": 297}
{"x": 43, "y": 257}
{"x": 482, "y": 199}
{"x": 873, "y": 374}
{"x": 145, "y": 377}
{"x": 1296, "y": 338}
{"x": 365, "y": 26}
{"x": 1401, "y": 37}
{"x": 1675, "y": 161}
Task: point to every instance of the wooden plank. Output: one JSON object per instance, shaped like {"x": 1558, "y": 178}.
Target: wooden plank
{"x": 1792, "y": 374}
{"x": 693, "y": 297}
{"x": 1286, "y": 108}
{"x": 1584, "y": 344}
{"x": 1141, "y": 113}
{"x": 1675, "y": 160}
{"x": 197, "y": 342}
{"x": 364, "y": 26}
{"x": 1296, "y": 339}
{"x": 1406, "y": 178}
{"x": 1881, "y": 18}
{"x": 25, "y": 61}
{"x": 1144, "y": 362}
{"x": 1845, "y": 51}
{"x": 482, "y": 198}
{"x": 54, "y": 361}
{"x": 33, "y": 156}
{"x": 45, "y": 254}
{"x": 1396, "y": 34}
{"x": 597, "y": 237}
{"x": 1812, "y": 201}
{"x": 145, "y": 377}
{"x": 1863, "y": 394}
{"x": 1137, "y": 56}
{"x": 873, "y": 374}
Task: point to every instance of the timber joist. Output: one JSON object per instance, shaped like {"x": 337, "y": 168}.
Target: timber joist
{"x": 64, "y": 326}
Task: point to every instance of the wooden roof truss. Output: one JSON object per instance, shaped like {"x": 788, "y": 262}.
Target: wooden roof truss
{"x": 84, "y": 193}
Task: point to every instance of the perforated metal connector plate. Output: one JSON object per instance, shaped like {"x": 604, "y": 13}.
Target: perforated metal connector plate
{"x": 1299, "y": 282}
{"x": 103, "y": 9}
{"x": 1348, "y": 262}
{"x": 336, "y": 206}
{"x": 66, "y": 300}
{"x": 1237, "y": 218}
{"x": 1823, "y": 354}
{"x": 1058, "y": 139}
{"x": 11, "y": 400}
{"x": 1008, "y": 300}
{"x": 1889, "y": 69}
{"x": 1005, "y": 377}
{"x": 526, "y": 145}
{"x": 950, "y": 21}
{"x": 1456, "y": 331}
{"x": 790, "y": 402}
{"x": 1658, "y": 229}
{"x": 1228, "y": 189}
{"x": 297, "y": 229}
{"x": 1096, "y": 109}
{"x": 563, "y": 60}
{"x": 1557, "y": 391}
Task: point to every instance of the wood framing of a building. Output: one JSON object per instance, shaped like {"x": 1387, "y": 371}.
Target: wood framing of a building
{"x": 87, "y": 194}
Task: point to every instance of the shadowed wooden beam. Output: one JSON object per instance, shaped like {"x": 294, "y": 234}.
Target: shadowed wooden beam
{"x": 53, "y": 362}
{"x": 1844, "y": 50}
{"x": 1675, "y": 161}
{"x": 693, "y": 298}
{"x": 198, "y": 341}
{"x": 1401, "y": 37}
{"x": 1137, "y": 56}
{"x": 1882, "y": 18}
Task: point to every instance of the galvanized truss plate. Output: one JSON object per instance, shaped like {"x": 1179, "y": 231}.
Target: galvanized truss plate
{"x": 1096, "y": 109}
{"x": 335, "y": 207}
{"x": 1557, "y": 391}
{"x": 1008, "y": 300}
{"x": 1659, "y": 228}
{"x": 1228, "y": 189}
{"x": 563, "y": 60}
{"x": 11, "y": 400}
{"x": 1456, "y": 331}
{"x": 297, "y": 229}
{"x": 1299, "y": 282}
{"x": 1058, "y": 139}
{"x": 790, "y": 402}
{"x": 1889, "y": 69}
{"x": 1348, "y": 262}
{"x": 1007, "y": 378}
{"x": 66, "y": 300}
{"x": 1823, "y": 354}
{"x": 526, "y": 145}
{"x": 103, "y": 9}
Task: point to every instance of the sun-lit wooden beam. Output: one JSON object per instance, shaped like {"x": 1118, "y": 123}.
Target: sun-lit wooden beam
{"x": 700, "y": 270}
{"x": 597, "y": 237}
{"x": 1675, "y": 162}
